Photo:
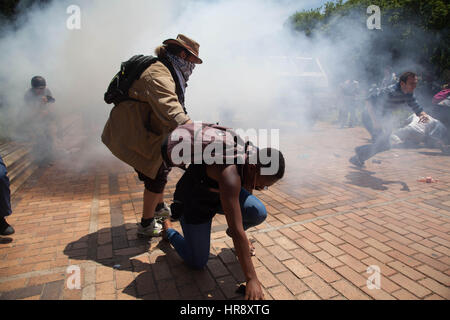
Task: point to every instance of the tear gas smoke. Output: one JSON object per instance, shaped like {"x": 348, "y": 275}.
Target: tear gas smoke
{"x": 257, "y": 72}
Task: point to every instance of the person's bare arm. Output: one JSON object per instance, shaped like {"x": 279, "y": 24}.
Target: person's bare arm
{"x": 230, "y": 187}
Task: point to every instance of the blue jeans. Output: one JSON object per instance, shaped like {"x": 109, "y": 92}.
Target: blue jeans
{"x": 194, "y": 247}
{"x": 5, "y": 194}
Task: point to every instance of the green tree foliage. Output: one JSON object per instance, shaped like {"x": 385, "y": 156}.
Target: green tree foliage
{"x": 10, "y": 9}
{"x": 307, "y": 21}
{"x": 7, "y": 7}
{"x": 416, "y": 29}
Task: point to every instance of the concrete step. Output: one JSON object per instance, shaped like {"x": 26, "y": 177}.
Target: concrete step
{"x": 19, "y": 163}
{"x": 19, "y": 166}
{"x": 17, "y": 154}
{"x": 13, "y": 159}
{"x": 8, "y": 148}
{"x": 23, "y": 176}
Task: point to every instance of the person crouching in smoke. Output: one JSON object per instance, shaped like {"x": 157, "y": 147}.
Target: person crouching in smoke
{"x": 38, "y": 100}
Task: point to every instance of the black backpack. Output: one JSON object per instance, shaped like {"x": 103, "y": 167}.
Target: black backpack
{"x": 129, "y": 72}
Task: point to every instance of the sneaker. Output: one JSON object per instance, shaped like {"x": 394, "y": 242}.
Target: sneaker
{"x": 164, "y": 212}
{"x": 5, "y": 228}
{"x": 154, "y": 229}
{"x": 356, "y": 161}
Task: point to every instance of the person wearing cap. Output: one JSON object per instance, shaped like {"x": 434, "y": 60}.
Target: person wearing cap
{"x": 137, "y": 128}
{"x": 39, "y": 114}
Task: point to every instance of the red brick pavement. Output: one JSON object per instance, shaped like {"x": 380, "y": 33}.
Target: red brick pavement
{"x": 328, "y": 222}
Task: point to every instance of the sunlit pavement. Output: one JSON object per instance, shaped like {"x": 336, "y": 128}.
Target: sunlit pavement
{"x": 328, "y": 222}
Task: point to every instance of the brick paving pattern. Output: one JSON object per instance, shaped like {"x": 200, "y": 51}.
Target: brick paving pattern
{"x": 328, "y": 222}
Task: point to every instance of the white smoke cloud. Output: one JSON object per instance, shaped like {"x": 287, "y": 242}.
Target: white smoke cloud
{"x": 233, "y": 82}
{"x": 241, "y": 82}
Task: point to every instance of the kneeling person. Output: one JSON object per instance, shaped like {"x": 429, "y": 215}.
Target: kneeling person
{"x": 205, "y": 190}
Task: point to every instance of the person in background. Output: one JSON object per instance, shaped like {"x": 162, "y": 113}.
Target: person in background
{"x": 380, "y": 106}
{"x": 414, "y": 132}
{"x": 42, "y": 121}
{"x": 389, "y": 78}
{"x": 39, "y": 95}
{"x": 366, "y": 118}
{"x": 442, "y": 95}
{"x": 349, "y": 95}
{"x": 5, "y": 201}
{"x": 440, "y": 108}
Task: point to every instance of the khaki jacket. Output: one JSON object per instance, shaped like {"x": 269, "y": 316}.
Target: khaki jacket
{"x": 136, "y": 130}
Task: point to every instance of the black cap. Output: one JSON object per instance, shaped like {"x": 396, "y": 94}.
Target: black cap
{"x": 37, "y": 82}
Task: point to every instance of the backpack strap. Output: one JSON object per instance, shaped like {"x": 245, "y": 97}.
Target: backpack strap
{"x": 178, "y": 89}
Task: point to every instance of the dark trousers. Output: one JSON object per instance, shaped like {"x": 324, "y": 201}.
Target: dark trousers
{"x": 381, "y": 140}
{"x": 368, "y": 124}
{"x": 381, "y": 144}
{"x": 5, "y": 194}
{"x": 158, "y": 184}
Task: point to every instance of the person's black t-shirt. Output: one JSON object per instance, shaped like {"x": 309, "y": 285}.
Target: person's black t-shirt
{"x": 193, "y": 195}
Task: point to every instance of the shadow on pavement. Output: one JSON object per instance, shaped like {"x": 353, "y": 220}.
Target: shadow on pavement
{"x": 364, "y": 178}
{"x": 166, "y": 277}
{"x": 435, "y": 154}
{"x": 5, "y": 240}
